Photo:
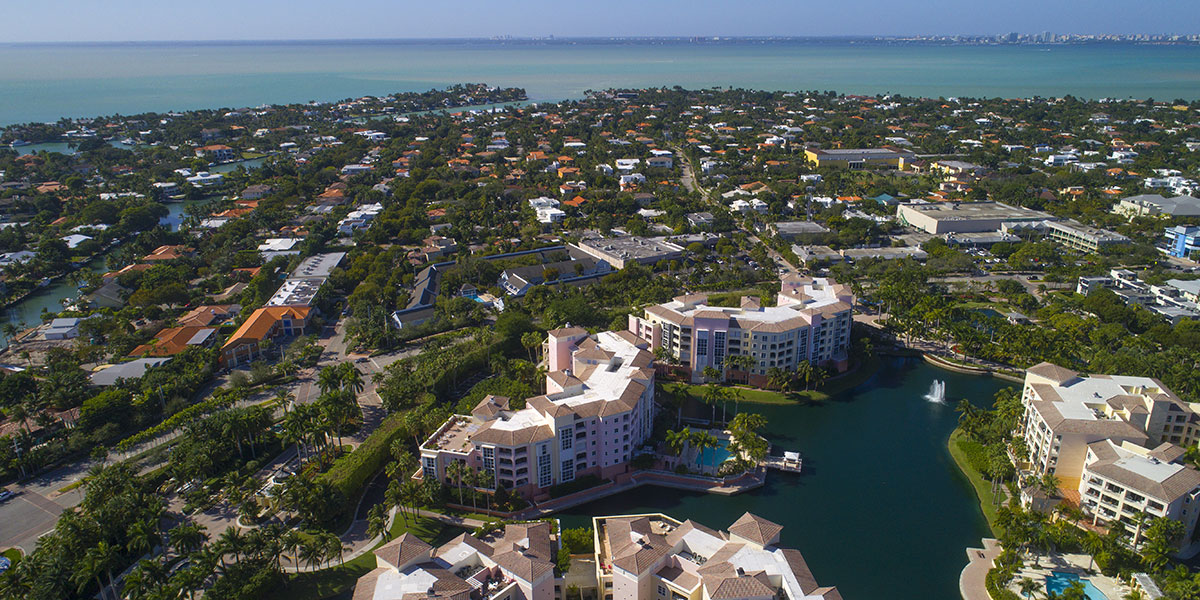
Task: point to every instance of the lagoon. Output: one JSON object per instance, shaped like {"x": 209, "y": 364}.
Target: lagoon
{"x": 881, "y": 510}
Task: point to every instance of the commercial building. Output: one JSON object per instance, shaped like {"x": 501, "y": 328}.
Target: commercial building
{"x": 618, "y": 251}
{"x": 965, "y": 217}
{"x": 245, "y": 345}
{"x": 798, "y": 230}
{"x": 1182, "y": 241}
{"x": 515, "y": 564}
{"x": 1065, "y": 412}
{"x": 859, "y": 158}
{"x": 597, "y": 410}
{"x": 656, "y": 557}
{"x": 1153, "y": 205}
{"x": 810, "y": 322}
{"x": 302, "y": 286}
{"x": 1077, "y": 236}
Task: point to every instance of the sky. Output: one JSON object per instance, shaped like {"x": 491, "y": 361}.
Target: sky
{"x": 174, "y": 20}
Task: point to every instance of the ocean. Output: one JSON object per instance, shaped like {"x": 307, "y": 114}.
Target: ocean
{"x": 44, "y": 82}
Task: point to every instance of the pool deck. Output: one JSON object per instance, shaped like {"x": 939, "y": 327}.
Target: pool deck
{"x": 1077, "y": 564}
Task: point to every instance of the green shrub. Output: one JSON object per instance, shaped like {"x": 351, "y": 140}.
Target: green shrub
{"x": 350, "y": 472}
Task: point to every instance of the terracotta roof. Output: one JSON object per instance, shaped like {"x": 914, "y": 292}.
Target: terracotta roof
{"x": 403, "y": 550}
{"x": 756, "y": 529}
{"x": 174, "y": 340}
{"x": 259, "y": 324}
{"x": 1052, "y": 372}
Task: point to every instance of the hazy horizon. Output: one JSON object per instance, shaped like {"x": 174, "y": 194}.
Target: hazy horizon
{"x": 131, "y": 21}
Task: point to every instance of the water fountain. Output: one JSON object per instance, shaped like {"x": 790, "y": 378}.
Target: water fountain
{"x": 937, "y": 392}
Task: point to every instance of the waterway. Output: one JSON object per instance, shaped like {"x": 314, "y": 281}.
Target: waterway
{"x": 44, "y": 82}
{"x": 28, "y": 312}
{"x": 881, "y": 511}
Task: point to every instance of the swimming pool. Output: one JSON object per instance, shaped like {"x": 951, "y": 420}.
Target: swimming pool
{"x": 713, "y": 457}
{"x": 1057, "y": 582}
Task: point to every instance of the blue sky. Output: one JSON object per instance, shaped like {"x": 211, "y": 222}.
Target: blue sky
{"x": 138, "y": 20}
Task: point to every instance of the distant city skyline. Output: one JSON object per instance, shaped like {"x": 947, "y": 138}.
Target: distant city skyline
{"x": 226, "y": 20}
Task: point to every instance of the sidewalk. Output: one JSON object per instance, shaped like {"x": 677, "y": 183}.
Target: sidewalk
{"x": 972, "y": 581}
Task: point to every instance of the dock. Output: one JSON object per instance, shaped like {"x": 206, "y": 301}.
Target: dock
{"x": 790, "y": 462}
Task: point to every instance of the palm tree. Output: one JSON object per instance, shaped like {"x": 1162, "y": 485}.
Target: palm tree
{"x": 283, "y": 400}
{"x": 713, "y": 394}
{"x": 711, "y": 373}
{"x": 188, "y": 538}
{"x": 456, "y": 470}
{"x": 1029, "y": 587}
{"x": 329, "y": 379}
{"x": 779, "y": 379}
{"x": 531, "y": 341}
{"x": 377, "y": 524}
{"x": 232, "y": 541}
{"x": 678, "y": 440}
{"x": 333, "y": 546}
{"x": 98, "y": 559}
{"x": 142, "y": 537}
{"x": 351, "y": 378}
{"x": 1093, "y": 544}
{"x": 704, "y": 440}
{"x": 818, "y": 377}
{"x": 312, "y": 553}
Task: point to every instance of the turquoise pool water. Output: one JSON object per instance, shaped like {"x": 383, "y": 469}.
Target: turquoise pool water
{"x": 1058, "y": 582}
{"x": 713, "y": 457}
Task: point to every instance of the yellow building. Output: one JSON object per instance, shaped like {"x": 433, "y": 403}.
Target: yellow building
{"x": 859, "y": 158}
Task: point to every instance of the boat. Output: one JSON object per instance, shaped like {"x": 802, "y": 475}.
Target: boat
{"x": 19, "y": 143}
{"x": 129, "y": 142}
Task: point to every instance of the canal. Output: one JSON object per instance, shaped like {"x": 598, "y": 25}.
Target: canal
{"x": 28, "y": 312}
{"x": 881, "y": 511}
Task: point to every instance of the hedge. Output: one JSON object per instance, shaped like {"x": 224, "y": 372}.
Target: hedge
{"x": 350, "y": 472}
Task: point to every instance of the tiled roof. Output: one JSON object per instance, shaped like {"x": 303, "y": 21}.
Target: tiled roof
{"x": 403, "y": 550}
{"x": 756, "y": 529}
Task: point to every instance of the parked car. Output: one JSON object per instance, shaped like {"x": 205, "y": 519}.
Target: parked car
{"x": 5, "y": 495}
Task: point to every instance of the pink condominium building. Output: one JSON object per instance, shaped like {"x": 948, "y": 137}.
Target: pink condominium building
{"x": 597, "y": 409}
{"x": 810, "y": 322}
{"x": 656, "y": 557}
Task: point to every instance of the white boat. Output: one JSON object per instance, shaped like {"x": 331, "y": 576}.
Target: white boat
{"x": 18, "y": 143}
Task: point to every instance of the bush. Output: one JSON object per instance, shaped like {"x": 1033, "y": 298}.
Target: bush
{"x": 350, "y": 472}
{"x": 578, "y": 540}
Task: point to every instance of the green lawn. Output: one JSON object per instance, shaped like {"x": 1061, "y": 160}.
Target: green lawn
{"x": 334, "y": 581}
{"x": 983, "y": 489}
{"x": 13, "y": 555}
{"x": 833, "y": 386}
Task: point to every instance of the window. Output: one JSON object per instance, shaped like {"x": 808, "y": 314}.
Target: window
{"x": 545, "y": 478}
{"x": 718, "y": 347}
{"x": 429, "y": 467}
{"x": 662, "y": 591}
{"x": 702, "y": 346}
{"x": 489, "y": 459}
{"x": 568, "y": 470}
{"x": 566, "y": 435}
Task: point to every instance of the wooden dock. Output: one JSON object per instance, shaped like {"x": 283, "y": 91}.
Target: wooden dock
{"x": 790, "y": 462}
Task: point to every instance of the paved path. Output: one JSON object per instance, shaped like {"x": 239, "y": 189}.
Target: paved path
{"x": 971, "y": 583}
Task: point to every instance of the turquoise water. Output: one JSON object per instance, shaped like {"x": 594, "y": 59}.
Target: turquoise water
{"x": 880, "y": 511}
{"x": 713, "y": 457}
{"x": 46, "y": 82}
{"x": 1058, "y": 582}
